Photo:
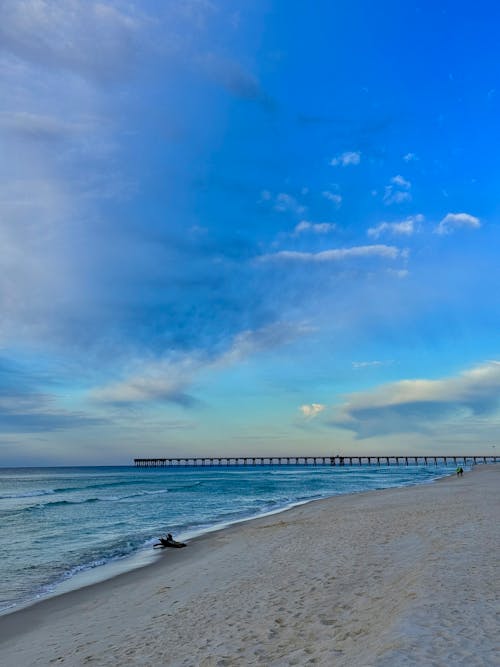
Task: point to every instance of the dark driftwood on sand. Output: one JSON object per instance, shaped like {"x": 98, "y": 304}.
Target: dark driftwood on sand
{"x": 169, "y": 543}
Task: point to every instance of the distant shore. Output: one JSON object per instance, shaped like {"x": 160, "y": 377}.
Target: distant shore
{"x": 384, "y": 578}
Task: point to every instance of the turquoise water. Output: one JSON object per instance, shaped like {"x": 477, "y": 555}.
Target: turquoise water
{"x": 57, "y": 522}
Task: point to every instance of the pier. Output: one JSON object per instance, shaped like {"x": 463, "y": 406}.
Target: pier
{"x": 201, "y": 461}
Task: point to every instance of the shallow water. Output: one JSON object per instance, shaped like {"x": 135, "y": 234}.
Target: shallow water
{"x": 57, "y": 522}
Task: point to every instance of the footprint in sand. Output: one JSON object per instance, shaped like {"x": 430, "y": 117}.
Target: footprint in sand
{"x": 162, "y": 590}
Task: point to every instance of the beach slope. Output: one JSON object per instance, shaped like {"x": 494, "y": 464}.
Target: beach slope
{"x": 385, "y": 578}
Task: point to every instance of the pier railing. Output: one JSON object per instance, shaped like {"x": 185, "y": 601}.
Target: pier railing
{"x": 200, "y": 461}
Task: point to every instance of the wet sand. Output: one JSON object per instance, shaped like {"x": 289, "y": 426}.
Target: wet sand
{"x": 383, "y": 578}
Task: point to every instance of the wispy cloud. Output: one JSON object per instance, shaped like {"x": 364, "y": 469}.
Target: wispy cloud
{"x": 405, "y": 227}
{"x": 398, "y": 191}
{"x": 418, "y": 405}
{"x": 314, "y": 227}
{"x": 398, "y": 273}
{"x": 282, "y": 202}
{"x": 370, "y": 364}
{"x": 285, "y": 202}
{"x": 157, "y": 382}
{"x": 410, "y": 157}
{"x": 251, "y": 342}
{"x": 44, "y": 127}
{"x": 334, "y": 197}
{"x": 401, "y": 182}
{"x": 92, "y": 39}
{"x": 453, "y": 221}
{"x": 169, "y": 380}
{"x": 334, "y": 255}
{"x": 346, "y": 159}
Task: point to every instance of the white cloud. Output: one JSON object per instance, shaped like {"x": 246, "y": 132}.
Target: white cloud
{"x": 453, "y": 221}
{"x": 402, "y": 228}
{"x": 401, "y": 182}
{"x": 313, "y": 410}
{"x": 314, "y": 227}
{"x": 416, "y": 405}
{"x": 410, "y": 157}
{"x": 285, "y": 202}
{"x": 367, "y": 364}
{"x": 396, "y": 197}
{"x": 346, "y": 159}
{"x": 398, "y": 273}
{"x": 282, "y": 202}
{"x": 333, "y": 255}
{"x": 333, "y": 197}
{"x": 250, "y": 342}
{"x": 397, "y": 192}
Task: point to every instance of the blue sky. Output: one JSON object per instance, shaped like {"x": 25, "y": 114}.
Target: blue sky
{"x": 259, "y": 227}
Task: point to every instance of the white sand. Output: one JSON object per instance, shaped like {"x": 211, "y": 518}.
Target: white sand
{"x": 385, "y": 578}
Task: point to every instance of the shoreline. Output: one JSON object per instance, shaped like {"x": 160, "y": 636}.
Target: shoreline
{"x": 145, "y": 557}
{"x": 310, "y": 578}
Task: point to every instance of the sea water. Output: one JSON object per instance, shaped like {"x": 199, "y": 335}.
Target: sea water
{"x": 58, "y": 522}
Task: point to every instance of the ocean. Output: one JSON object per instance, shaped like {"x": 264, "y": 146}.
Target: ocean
{"x": 57, "y": 523}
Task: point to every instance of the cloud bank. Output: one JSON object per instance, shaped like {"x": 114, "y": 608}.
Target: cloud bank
{"x": 417, "y": 406}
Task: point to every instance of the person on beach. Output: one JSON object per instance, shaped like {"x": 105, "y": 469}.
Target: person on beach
{"x": 460, "y": 471}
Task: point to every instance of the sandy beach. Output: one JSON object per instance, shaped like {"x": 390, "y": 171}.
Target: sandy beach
{"x": 385, "y": 578}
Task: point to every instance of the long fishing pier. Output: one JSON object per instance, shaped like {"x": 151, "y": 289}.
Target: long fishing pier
{"x": 196, "y": 461}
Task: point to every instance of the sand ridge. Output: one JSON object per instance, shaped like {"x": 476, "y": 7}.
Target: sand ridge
{"x": 384, "y": 579}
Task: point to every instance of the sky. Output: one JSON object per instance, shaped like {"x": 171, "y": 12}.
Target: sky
{"x": 248, "y": 227}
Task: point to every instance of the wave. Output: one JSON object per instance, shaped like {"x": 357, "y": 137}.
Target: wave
{"x": 120, "y": 551}
{"x": 68, "y": 489}
{"x": 63, "y": 503}
{"x": 139, "y": 494}
{"x": 181, "y": 487}
{"x": 28, "y": 494}
{"x": 62, "y": 489}
{"x": 100, "y": 485}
